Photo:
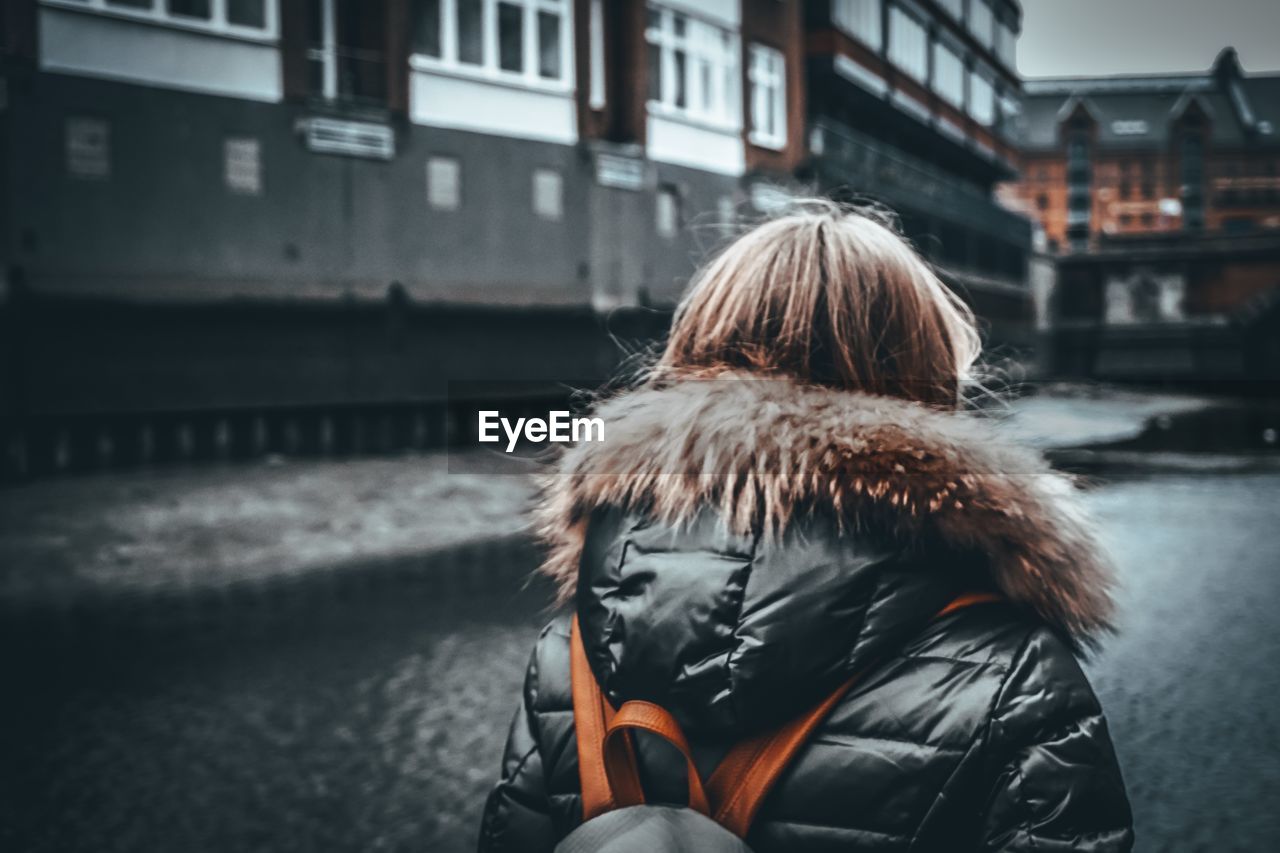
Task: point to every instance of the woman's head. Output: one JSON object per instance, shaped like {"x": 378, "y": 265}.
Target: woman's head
{"x": 827, "y": 294}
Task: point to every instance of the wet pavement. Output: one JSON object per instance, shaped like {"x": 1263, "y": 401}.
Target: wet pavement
{"x": 1191, "y": 684}
{"x": 371, "y": 723}
{"x": 374, "y": 719}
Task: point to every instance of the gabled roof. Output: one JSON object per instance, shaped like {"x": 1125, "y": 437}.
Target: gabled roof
{"x": 1141, "y": 111}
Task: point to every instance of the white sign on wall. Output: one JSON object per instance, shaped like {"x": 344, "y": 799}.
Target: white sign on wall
{"x": 243, "y": 166}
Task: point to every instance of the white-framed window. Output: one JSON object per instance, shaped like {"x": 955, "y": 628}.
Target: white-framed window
{"x": 954, "y": 8}
{"x": 908, "y": 43}
{"x": 242, "y": 165}
{"x": 693, "y": 68}
{"x": 1006, "y": 44}
{"x": 948, "y": 74}
{"x": 548, "y": 194}
{"x": 860, "y": 19}
{"x": 526, "y": 41}
{"x": 767, "y": 73}
{"x": 252, "y": 19}
{"x": 981, "y": 21}
{"x": 982, "y": 98}
{"x": 88, "y": 148}
{"x": 667, "y": 221}
{"x": 444, "y": 183}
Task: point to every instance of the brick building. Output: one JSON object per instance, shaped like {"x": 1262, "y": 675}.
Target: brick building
{"x": 1141, "y": 155}
{"x": 306, "y": 208}
{"x": 1161, "y": 196}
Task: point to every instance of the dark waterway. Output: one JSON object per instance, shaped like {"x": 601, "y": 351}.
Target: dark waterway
{"x": 374, "y": 720}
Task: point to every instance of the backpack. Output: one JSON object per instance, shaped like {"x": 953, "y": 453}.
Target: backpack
{"x": 720, "y": 811}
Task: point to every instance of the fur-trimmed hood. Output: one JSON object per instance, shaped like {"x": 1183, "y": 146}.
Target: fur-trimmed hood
{"x": 763, "y": 451}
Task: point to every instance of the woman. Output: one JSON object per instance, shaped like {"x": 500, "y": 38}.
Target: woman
{"x": 789, "y": 500}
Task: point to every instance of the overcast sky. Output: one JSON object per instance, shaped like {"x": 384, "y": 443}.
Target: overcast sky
{"x": 1073, "y": 37}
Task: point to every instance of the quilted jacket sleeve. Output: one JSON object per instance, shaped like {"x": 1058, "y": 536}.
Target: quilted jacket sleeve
{"x": 1057, "y": 784}
{"x": 516, "y": 814}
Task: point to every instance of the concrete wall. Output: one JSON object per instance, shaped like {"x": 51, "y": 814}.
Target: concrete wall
{"x": 163, "y": 225}
{"x": 156, "y": 287}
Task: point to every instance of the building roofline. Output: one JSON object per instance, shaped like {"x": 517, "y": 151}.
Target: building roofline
{"x": 1226, "y": 61}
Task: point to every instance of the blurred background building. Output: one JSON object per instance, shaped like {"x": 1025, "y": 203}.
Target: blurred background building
{"x": 232, "y": 226}
{"x": 1161, "y": 196}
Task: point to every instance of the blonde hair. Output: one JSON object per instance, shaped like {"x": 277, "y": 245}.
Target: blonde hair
{"x": 826, "y": 294}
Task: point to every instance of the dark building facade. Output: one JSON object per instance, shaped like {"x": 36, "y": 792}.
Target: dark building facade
{"x": 1118, "y": 156}
{"x": 277, "y": 210}
{"x": 1161, "y": 196}
{"x": 919, "y": 105}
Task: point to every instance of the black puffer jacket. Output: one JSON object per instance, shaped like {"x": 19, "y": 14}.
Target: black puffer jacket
{"x": 828, "y": 532}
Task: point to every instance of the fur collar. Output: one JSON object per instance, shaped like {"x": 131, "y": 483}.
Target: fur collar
{"x": 761, "y": 450}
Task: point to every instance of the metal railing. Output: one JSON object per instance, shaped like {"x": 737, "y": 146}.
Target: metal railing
{"x": 868, "y": 166}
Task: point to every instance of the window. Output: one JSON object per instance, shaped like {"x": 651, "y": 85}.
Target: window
{"x": 513, "y": 39}
{"x": 550, "y": 52}
{"x": 1192, "y": 180}
{"x": 981, "y": 21}
{"x": 668, "y": 211}
{"x": 548, "y": 194}
{"x": 198, "y": 9}
{"x": 510, "y": 37}
{"x": 345, "y": 51}
{"x": 242, "y": 166}
{"x": 247, "y": 13}
{"x": 948, "y": 74}
{"x": 907, "y": 44}
{"x": 860, "y": 19}
{"x": 444, "y": 183}
{"x": 1079, "y": 180}
{"x": 693, "y": 67}
{"x": 1042, "y": 201}
{"x": 88, "y": 148}
{"x": 1006, "y": 44}
{"x": 470, "y": 17}
{"x": 982, "y": 99}
{"x": 249, "y": 18}
{"x": 768, "y": 76}
{"x": 426, "y": 28}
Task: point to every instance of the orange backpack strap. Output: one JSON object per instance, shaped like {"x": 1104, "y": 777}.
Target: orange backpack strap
{"x": 607, "y": 769}
{"x": 748, "y": 773}
{"x": 590, "y": 718}
{"x": 620, "y": 762}
{"x": 969, "y": 599}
